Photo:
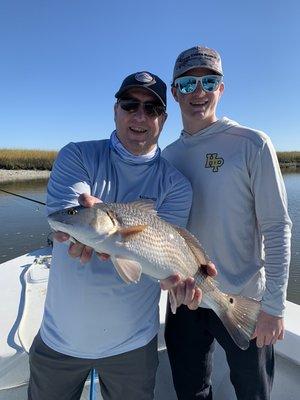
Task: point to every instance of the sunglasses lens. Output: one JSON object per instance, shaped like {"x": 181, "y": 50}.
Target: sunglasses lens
{"x": 129, "y": 105}
{"x": 210, "y": 83}
{"x": 150, "y": 109}
{"x": 187, "y": 84}
{"x": 153, "y": 110}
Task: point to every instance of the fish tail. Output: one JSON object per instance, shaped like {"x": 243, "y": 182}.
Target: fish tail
{"x": 239, "y": 318}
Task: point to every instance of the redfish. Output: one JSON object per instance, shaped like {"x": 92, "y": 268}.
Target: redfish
{"x": 138, "y": 241}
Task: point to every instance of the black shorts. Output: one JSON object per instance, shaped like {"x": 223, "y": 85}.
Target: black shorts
{"x": 55, "y": 376}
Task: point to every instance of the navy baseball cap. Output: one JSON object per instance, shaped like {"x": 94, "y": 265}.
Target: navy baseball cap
{"x": 146, "y": 80}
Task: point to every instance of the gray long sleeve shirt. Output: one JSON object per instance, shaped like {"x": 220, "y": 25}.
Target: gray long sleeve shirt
{"x": 239, "y": 210}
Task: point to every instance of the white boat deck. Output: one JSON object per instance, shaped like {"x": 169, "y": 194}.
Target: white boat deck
{"x": 14, "y": 371}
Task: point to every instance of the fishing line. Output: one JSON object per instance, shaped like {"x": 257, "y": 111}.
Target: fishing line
{"x": 49, "y": 238}
{"x": 23, "y": 197}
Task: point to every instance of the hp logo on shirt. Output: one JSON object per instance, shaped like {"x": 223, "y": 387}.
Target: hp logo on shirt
{"x": 213, "y": 161}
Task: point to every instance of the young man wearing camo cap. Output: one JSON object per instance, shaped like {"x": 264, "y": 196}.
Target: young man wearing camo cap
{"x": 239, "y": 206}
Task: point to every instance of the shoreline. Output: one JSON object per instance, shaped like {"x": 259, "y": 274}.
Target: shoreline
{"x": 10, "y": 175}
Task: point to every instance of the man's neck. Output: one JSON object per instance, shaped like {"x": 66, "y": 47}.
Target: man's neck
{"x": 196, "y": 126}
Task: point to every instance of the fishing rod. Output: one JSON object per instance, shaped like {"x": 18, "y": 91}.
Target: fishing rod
{"x": 23, "y": 197}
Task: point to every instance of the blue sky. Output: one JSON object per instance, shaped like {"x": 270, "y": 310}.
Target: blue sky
{"x": 63, "y": 60}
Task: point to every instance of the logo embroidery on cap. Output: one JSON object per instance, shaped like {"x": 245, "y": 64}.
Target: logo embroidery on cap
{"x": 214, "y": 162}
{"x": 144, "y": 77}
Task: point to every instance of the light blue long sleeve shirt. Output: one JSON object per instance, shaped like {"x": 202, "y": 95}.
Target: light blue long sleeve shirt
{"x": 89, "y": 311}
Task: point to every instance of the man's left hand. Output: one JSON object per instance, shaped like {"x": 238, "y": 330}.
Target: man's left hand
{"x": 269, "y": 329}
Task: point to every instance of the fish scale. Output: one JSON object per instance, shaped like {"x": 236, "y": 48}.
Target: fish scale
{"x": 171, "y": 253}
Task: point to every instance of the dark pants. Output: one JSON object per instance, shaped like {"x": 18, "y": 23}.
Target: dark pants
{"x": 190, "y": 342}
{"x": 55, "y": 376}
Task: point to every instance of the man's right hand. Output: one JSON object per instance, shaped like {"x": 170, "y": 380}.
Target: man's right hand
{"x": 184, "y": 290}
{"x": 78, "y": 249}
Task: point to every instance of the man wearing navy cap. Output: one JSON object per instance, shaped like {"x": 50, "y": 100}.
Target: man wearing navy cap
{"x": 92, "y": 319}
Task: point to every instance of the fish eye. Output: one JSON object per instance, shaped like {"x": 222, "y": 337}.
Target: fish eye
{"x": 72, "y": 211}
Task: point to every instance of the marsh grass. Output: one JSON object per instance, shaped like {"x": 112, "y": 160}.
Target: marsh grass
{"x": 287, "y": 157}
{"x": 43, "y": 159}
{"x": 27, "y": 159}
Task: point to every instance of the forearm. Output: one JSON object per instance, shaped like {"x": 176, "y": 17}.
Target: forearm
{"x": 276, "y": 239}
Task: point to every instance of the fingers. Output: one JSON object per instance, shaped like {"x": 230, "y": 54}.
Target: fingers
{"x": 79, "y": 250}
{"x": 180, "y": 293}
{"x": 187, "y": 294}
{"x": 254, "y": 334}
{"x": 75, "y": 249}
{"x": 103, "y": 256}
{"x": 87, "y": 200}
{"x": 86, "y": 254}
{"x": 183, "y": 291}
{"x": 260, "y": 341}
{"x": 61, "y": 236}
{"x": 196, "y": 300}
{"x": 281, "y": 335}
{"x": 266, "y": 340}
{"x": 210, "y": 269}
{"x": 269, "y": 329}
{"x": 169, "y": 283}
{"x": 189, "y": 291}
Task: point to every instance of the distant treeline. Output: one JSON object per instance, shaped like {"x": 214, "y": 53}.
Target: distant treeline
{"x": 27, "y": 159}
{"x": 43, "y": 160}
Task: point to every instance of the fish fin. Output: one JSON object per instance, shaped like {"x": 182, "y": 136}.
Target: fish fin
{"x": 129, "y": 270}
{"x": 127, "y": 231}
{"x": 240, "y": 318}
{"x": 145, "y": 205}
{"x": 194, "y": 245}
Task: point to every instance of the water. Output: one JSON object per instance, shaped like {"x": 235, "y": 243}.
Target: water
{"x": 292, "y": 183}
{"x": 24, "y": 226}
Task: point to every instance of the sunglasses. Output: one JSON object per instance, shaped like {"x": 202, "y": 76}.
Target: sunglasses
{"x": 188, "y": 84}
{"x": 150, "y": 109}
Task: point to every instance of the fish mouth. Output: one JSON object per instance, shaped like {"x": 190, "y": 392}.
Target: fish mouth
{"x": 58, "y": 225}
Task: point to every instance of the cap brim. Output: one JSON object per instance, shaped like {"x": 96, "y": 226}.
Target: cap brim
{"x": 193, "y": 67}
{"x": 121, "y": 92}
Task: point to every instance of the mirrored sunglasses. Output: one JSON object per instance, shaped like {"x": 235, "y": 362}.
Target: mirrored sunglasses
{"x": 188, "y": 84}
{"x": 150, "y": 109}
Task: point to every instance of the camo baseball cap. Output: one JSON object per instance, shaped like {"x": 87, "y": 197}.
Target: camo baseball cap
{"x": 198, "y": 56}
{"x": 148, "y": 81}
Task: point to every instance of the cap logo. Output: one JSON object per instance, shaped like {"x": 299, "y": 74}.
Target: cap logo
{"x": 144, "y": 77}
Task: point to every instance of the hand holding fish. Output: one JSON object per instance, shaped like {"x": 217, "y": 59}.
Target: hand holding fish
{"x": 269, "y": 329}
{"x": 78, "y": 249}
{"x": 185, "y": 290}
